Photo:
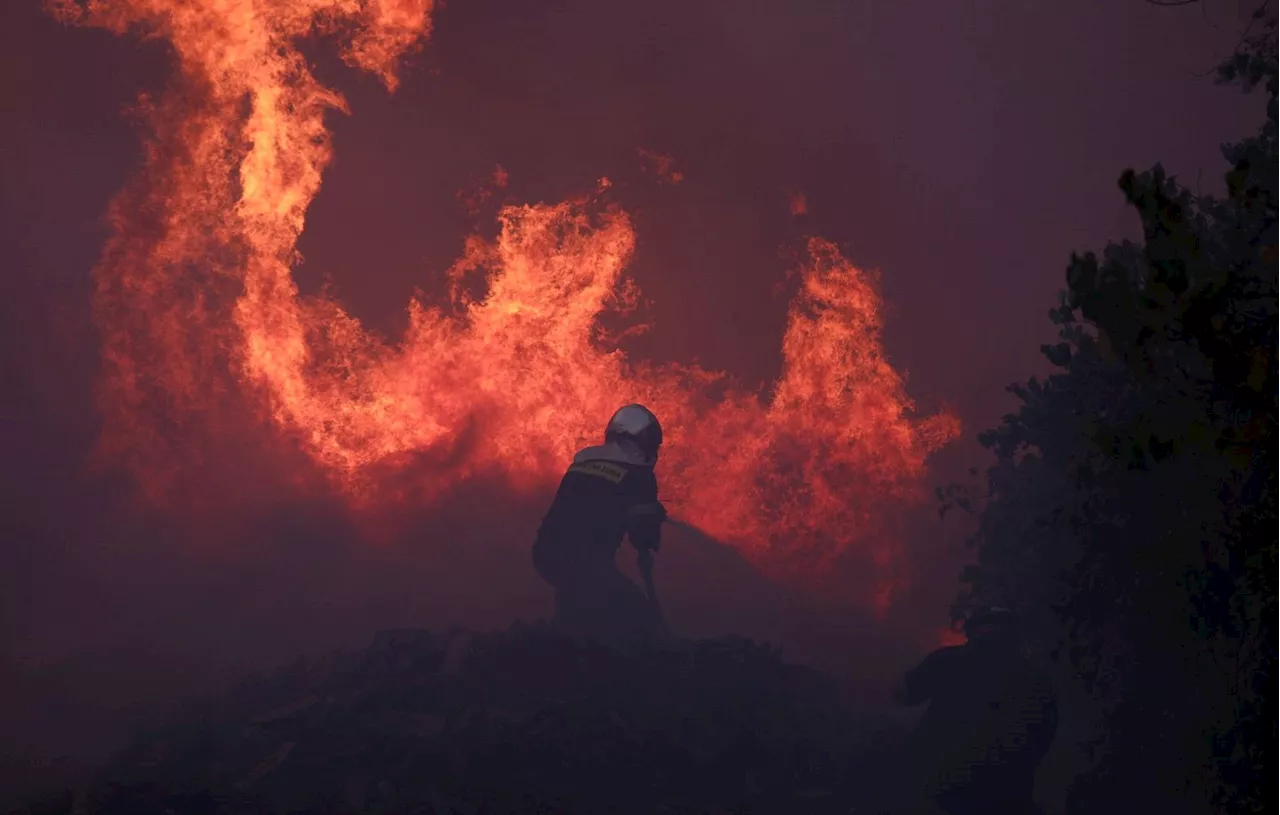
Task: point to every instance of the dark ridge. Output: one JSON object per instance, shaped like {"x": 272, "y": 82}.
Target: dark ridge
{"x": 524, "y": 720}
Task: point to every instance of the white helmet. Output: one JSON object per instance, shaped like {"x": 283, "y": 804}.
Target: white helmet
{"x": 638, "y": 425}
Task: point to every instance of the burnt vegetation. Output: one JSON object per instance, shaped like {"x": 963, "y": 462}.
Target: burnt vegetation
{"x": 519, "y": 721}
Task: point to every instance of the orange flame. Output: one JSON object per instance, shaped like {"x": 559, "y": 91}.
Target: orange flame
{"x": 197, "y": 307}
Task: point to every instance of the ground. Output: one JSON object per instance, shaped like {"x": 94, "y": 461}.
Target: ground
{"x": 523, "y": 720}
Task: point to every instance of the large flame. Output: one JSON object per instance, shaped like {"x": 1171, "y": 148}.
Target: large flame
{"x": 197, "y": 304}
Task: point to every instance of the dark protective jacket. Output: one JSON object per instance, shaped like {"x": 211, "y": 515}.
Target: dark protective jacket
{"x": 609, "y": 492}
{"x": 992, "y": 717}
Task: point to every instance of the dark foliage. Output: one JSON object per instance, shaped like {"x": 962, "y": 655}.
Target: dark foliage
{"x": 1131, "y": 511}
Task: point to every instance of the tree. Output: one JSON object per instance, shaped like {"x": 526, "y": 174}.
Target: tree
{"x": 1131, "y": 508}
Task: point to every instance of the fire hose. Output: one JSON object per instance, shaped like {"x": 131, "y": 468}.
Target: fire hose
{"x": 644, "y": 563}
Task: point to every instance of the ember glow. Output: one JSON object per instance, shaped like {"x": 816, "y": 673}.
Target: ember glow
{"x": 197, "y": 307}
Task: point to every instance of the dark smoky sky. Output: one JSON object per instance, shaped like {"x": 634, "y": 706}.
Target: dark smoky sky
{"x": 964, "y": 149}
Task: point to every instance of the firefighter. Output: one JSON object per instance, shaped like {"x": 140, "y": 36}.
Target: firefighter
{"x": 992, "y": 716}
{"x": 609, "y": 492}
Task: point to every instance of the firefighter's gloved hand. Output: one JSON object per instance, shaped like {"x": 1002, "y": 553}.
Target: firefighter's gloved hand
{"x": 644, "y": 525}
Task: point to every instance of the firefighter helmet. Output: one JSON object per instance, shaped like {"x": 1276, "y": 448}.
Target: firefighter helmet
{"x": 638, "y": 425}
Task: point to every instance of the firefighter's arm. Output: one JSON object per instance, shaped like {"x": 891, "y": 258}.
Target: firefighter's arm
{"x": 645, "y": 513}
{"x": 644, "y": 525}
